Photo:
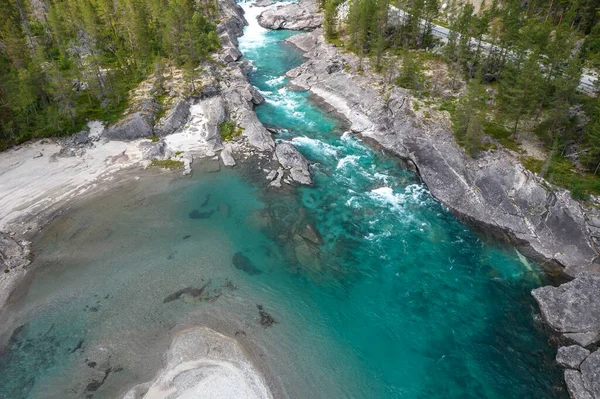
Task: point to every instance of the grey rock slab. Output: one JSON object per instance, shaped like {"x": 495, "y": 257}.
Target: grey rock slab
{"x": 575, "y": 385}
{"x": 154, "y": 150}
{"x": 227, "y": 156}
{"x": 590, "y": 374}
{"x": 175, "y": 119}
{"x": 583, "y": 339}
{"x": 134, "y": 126}
{"x": 573, "y": 307}
{"x": 263, "y": 3}
{"x": 294, "y": 16}
{"x": 571, "y": 356}
{"x": 292, "y": 160}
{"x": 230, "y": 54}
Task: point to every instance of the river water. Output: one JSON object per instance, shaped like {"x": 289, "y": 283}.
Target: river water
{"x": 384, "y": 295}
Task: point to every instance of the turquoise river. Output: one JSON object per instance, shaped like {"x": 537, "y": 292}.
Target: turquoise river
{"x": 397, "y": 299}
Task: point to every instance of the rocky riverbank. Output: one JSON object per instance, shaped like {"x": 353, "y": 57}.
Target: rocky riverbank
{"x": 38, "y": 179}
{"x": 493, "y": 192}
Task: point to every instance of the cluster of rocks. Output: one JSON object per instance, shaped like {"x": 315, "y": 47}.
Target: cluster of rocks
{"x": 573, "y": 309}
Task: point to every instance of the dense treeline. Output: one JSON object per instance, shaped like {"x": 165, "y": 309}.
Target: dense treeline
{"x": 522, "y": 61}
{"x": 65, "y": 61}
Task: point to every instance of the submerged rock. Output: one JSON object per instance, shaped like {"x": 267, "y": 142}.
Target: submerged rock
{"x": 266, "y": 320}
{"x": 294, "y": 16}
{"x": 311, "y": 233}
{"x": 196, "y": 214}
{"x": 242, "y": 262}
{"x": 189, "y": 291}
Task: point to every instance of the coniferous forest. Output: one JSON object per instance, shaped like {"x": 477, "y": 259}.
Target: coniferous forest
{"x": 514, "y": 70}
{"x": 63, "y": 62}
{"x": 506, "y": 70}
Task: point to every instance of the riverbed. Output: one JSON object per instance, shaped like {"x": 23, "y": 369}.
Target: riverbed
{"x": 374, "y": 289}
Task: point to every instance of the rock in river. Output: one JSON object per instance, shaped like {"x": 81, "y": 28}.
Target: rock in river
{"x": 573, "y": 307}
{"x": 291, "y": 159}
{"x": 242, "y": 262}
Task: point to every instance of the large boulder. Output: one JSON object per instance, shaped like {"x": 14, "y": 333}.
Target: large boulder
{"x": 573, "y": 307}
{"x": 294, "y": 16}
{"x": 576, "y": 386}
{"x": 214, "y": 113}
{"x": 134, "y": 126}
{"x": 155, "y": 150}
{"x": 175, "y": 119}
{"x": 291, "y": 159}
{"x": 590, "y": 374}
{"x": 571, "y": 356}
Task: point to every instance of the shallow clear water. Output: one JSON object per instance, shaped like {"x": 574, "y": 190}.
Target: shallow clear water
{"x": 397, "y": 300}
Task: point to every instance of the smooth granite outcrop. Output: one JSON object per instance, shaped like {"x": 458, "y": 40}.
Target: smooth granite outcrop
{"x": 294, "y": 16}
{"x": 573, "y": 307}
{"x": 175, "y": 119}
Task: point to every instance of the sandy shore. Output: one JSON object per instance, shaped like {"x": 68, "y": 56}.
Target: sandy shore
{"x": 204, "y": 363}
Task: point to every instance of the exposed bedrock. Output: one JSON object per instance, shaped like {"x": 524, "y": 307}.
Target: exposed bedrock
{"x": 573, "y": 308}
{"x": 494, "y": 191}
{"x": 294, "y": 16}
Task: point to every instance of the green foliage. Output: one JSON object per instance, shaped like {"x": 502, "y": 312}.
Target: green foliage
{"x": 230, "y": 130}
{"x": 79, "y": 60}
{"x": 501, "y": 134}
{"x": 469, "y": 117}
{"x": 410, "y": 76}
{"x": 154, "y": 139}
{"x": 167, "y": 164}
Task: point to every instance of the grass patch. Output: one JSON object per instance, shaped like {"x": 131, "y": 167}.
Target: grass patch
{"x": 501, "y": 134}
{"x": 562, "y": 173}
{"x": 230, "y": 130}
{"x": 448, "y": 105}
{"x": 167, "y": 164}
{"x": 532, "y": 164}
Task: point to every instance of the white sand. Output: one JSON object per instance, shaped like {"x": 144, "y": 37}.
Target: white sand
{"x": 33, "y": 179}
{"x": 202, "y": 363}
{"x": 30, "y": 183}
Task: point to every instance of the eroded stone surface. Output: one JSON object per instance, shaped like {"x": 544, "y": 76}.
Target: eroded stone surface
{"x": 294, "y": 16}
{"x": 573, "y": 307}
{"x": 571, "y": 356}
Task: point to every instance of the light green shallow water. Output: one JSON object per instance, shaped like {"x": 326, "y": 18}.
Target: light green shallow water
{"x": 399, "y": 300}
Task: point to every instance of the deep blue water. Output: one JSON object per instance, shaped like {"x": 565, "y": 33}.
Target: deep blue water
{"x": 397, "y": 299}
